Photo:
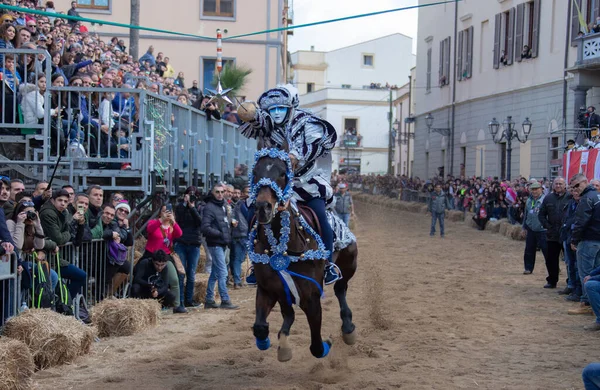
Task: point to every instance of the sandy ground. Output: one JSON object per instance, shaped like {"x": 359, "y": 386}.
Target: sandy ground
{"x": 453, "y": 313}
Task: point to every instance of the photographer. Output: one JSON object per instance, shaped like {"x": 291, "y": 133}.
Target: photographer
{"x": 210, "y": 108}
{"x": 188, "y": 245}
{"x": 151, "y": 279}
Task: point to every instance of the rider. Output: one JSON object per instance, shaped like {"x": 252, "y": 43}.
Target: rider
{"x": 278, "y": 120}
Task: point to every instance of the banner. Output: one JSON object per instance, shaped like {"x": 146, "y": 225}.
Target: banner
{"x": 585, "y": 161}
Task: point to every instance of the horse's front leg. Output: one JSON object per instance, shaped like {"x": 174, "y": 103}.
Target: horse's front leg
{"x": 341, "y": 287}
{"x": 264, "y": 304}
{"x": 312, "y": 309}
{"x": 284, "y": 352}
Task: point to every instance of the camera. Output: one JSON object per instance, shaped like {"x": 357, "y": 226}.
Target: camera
{"x": 2, "y": 251}
{"x": 193, "y": 198}
{"x": 31, "y": 216}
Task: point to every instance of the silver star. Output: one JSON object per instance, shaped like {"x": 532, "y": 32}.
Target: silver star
{"x": 219, "y": 93}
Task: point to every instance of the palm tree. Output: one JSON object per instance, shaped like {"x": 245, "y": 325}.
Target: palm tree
{"x": 234, "y": 77}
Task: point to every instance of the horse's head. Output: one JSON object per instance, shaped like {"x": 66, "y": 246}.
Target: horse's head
{"x": 271, "y": 183}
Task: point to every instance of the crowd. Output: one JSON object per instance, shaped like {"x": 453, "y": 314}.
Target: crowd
{"x": 39, "y": 225}
{"x": 80, "y": 58}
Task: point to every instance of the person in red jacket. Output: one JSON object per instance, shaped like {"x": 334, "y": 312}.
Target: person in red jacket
{"x": 162, "y": 232}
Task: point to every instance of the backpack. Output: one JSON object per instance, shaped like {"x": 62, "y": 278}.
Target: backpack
{"x": 117, "y": 253}
{"x": 43, "y": 296}
{"x": 64, "y": 304}
{"x": 81, "y": 310}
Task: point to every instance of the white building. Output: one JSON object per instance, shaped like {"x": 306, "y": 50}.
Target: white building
{"x": 404, "y": 108}
{"x": 491, "y": 78}
{"x": 351, "y": 87}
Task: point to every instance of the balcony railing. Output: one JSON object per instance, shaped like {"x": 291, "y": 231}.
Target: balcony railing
{"x": 351, "y": 141}
{"x": 588, "y": 50}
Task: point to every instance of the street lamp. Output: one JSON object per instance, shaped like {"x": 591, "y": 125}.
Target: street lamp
{"x": 509, "y": 133}
{"x": 429, "y": 122}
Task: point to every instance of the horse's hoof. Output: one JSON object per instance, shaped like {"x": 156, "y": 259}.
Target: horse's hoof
{"x": 263, "y": 345}
{"x": 326, "y": 347}
{"x": 284, "y": 354}
{"x": 349, "y": 338}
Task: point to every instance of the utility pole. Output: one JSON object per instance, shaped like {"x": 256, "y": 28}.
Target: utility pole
{"x": 453, "y": 89}
{"x": 390, "y": 138}
{"x": 408, "y": 127}
{"x": 134, "y": 33}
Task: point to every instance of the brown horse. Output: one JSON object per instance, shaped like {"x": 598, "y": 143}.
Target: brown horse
{"x": 307, "y": 275}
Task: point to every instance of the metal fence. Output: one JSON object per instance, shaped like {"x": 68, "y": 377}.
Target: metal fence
{"x": 9, "y": 287}
{"x": 123, "y": 139}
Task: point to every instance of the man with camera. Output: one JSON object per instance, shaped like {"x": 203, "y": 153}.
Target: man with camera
{"x": 188, "y": 245}
{"x": 118, "y": 238}
{"x": 150, "y": 279}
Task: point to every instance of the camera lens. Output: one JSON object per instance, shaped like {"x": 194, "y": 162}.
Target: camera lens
{"x": 31, "y": 216}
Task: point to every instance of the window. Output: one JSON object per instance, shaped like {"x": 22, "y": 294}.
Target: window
{"x": 368, "y": 60}
{"x": 554, "y": 148}
{"x": 346, "y": 86}
{"x": 218, "y": 8}
{"x": 465, "y": 54}
{"x": 310, "y": 87}
{"x": 351, "y": 138}
{"x": 444, "y": 71}
{"x": 428, "y": 82}
{"x": 527, "y": 30}
{"x": 209, "y": 66}
{"x": 94, "y": 4}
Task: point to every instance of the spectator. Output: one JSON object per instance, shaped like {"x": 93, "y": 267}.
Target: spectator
{"x": 586, "y": 235}
{"x": 239, "y": 237}
{"x": 195, "y": 90}
{"x": 33, "y": 101}
{"x": 41, "y": 194}
{"x": 592, "y": 120}
{"x": 95, "y": 194}
{"x": 180, "y": 80}
{"x": 73, "y": 12}
{"x": 117, "y": 198}
{"x": 573, "y": 289}
{"x": 536, "y": 234}
{"x": 148, "y": 57}
{"x": 550, "y": 216}
{"x": 188, "y": 245}
{"x": 211, "y": 110}
{"x": 591, "y": 376}
{"x": 162, "y": 233}
{"x": 438, "y": 204}
{"x": 11, "y": 83}
{"x": 8, "y": 35}
{"x": 344, "y": 206}
{"x": 217, "y": 230}
{"x": 117, "y": 237}
{"x": 71, "y": 191}
{"x": 152, "y": 279}
{"x": 50, "y": 9}
{"x": 55, "y": 223}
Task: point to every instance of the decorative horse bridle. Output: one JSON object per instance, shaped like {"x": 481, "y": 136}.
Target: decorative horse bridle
{"x": 280, "y": 260}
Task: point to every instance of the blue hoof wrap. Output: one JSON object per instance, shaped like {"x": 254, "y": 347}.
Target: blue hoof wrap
{"x": 326, "y": 348}
{"x": 265, "y": 344}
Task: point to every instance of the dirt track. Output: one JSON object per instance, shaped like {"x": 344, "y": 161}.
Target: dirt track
{"x": 431, "y": 314}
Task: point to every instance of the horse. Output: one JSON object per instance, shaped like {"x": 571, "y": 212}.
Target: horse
{"x": 292, "y": 270}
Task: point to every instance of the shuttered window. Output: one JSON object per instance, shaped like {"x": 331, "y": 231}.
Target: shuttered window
{"x": 428, "y": 83}
{"x": 464, "y": 61}
{"x": 527, "y": 30}
{"x": 444, "y": 65}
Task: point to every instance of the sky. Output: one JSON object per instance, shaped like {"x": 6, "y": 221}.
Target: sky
{"x": 332, "y": 36}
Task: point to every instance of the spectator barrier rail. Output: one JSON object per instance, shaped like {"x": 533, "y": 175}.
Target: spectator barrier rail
{"x": 9, "y": 287}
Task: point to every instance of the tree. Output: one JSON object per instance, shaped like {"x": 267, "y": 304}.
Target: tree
{"x": 134, "y": 33}
{"x": 234, "y": 77}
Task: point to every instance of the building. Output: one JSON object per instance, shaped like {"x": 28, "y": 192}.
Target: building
{"x": 507, "y": 63}
{"x": 404, "y": 135}
{"x": 354, "y": 88}
{"x": 265, "y": 54}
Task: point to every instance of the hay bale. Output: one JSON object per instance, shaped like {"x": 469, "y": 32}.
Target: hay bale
{"x": 52, "y": 338}
{"x": 201, "y": 261}
{"x": 424, "y": 209}
{"x": 200, "y": 287}
{"x": 516, "y": 233}
{"x": 504, "y": 226}
{"x": 125, "y": 317}
{"x": 456, "y": 216}
{"x": 493, "y": 226}
{"x": 17, "y": 366}
{"x": 414, "y": 207}
{"x": 469, "y": 220}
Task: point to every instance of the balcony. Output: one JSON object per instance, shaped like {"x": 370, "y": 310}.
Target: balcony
{"x": 351, "y": 141}
{"x": 588, "y": 52}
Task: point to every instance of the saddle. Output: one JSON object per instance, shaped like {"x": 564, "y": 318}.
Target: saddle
{"x": 311, "y": 217}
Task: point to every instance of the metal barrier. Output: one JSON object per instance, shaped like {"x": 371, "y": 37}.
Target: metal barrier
{"x": 9, "y": 287}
